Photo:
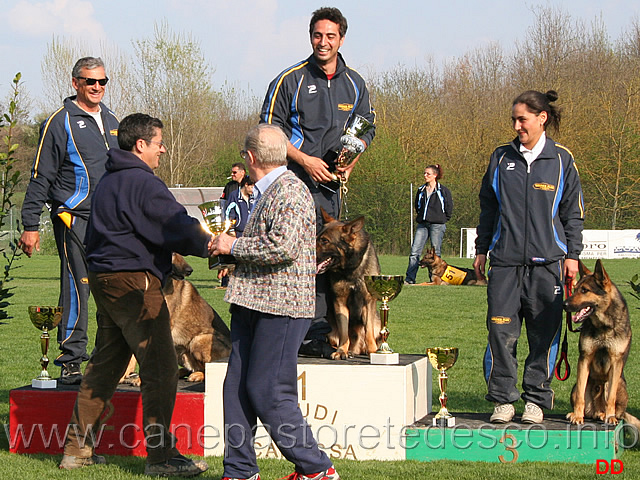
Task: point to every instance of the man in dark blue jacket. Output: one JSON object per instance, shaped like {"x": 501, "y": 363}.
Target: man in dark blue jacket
{"x": 313, "y": 101}
{"x": 134, "y": 227}
{"x": 70, "y": 160}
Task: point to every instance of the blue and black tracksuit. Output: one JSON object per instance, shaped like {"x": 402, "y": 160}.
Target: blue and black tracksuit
{"x": 69, "y": 161}
{"x": 314, "y": 110}
{"x": 531, "y": 220}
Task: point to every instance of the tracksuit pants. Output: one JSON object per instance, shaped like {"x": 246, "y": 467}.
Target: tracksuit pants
{"x": 261, "y": 382}
{"x": 132, "y": 318}
{"x": 532, "y": 294}
{"x": 74, "y": 291}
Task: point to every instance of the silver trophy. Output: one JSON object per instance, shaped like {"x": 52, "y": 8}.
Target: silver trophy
{"x": 352, "y": 146}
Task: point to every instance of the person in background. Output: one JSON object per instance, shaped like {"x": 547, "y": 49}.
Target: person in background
{"x": 531, "y": 220}
{"x": 240, "y": 205}
{"x": 238, "y": 172}
{"x": 272, "y": 297}
{"x": 434, "y": 207}
{"x": 135, "y": 226}
{"x": 70, "y": 159}
{"x": 238, "y": 209}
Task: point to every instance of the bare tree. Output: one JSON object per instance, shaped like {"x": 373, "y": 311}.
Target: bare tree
{"x": 174, "y": 84}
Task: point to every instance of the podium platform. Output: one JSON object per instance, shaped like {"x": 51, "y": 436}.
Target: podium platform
{"x": 38, "y": 420}
{"x": 356, "y": 410}
{"x": 475, "y": 439}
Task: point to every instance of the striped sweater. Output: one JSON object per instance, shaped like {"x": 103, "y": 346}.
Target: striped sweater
{"x": 276, "y": 256}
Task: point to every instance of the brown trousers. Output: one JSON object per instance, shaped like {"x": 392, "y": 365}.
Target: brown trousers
{"x": 132, "y": 318}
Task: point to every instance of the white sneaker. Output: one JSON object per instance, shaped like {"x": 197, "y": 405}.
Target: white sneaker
{"x": 532, "y": 413}
{"x": 502, "y": 413}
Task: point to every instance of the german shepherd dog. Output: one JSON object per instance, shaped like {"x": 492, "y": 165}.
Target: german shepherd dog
{"x": 199, "y": 334}
{"x": 600, "y": 391}
{"x": 344, "y": 250}
{"x": 442, "y": 272}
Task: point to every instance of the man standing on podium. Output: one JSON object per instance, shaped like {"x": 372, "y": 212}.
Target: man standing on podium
{"x": 313, "y": 101}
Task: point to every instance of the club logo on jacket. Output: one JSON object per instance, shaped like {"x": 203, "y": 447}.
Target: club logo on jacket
{"x": 500, "y": 320}
{"x": 312, "y": 89}
{"x": 544, "y": 186}
{"x": 511, "y": 165}
{"x": 345, "y": 107}
{"x": 81, "y": 124}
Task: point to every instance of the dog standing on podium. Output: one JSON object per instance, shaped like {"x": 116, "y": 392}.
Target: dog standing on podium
{"x": 199, "y": 334}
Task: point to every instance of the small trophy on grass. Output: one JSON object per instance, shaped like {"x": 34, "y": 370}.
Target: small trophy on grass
{"x": 212, "y": 213}
{"x": 384, "y": 288}
{"x": 443, "y": 359}
{"x": 45, "y": 319}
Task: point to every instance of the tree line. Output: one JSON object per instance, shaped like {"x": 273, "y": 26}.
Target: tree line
{"x": 453, "y": 114}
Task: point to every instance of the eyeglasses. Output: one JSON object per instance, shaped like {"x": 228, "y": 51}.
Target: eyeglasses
{"x": 244, "y": 154}
{"x": 160, "y": 144}
{"x": 92, "y": 81}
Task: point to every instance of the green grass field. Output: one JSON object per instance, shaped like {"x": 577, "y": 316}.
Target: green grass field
{"x": 420, "y": 317}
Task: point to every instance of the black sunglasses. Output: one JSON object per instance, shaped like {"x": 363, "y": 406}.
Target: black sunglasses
{"x": 92, "y": 81}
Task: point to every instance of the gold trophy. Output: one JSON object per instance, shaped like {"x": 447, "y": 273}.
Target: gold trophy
{"x": 216, "y": 224}
{"x": 45, "y": 319}
{"x": 443, "y": 359}
{"x": 384, "y": 288}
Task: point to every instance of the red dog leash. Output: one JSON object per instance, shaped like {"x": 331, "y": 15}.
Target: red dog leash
{"x": 565, "y": 346}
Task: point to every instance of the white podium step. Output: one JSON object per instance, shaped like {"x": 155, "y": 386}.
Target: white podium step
{"x": 356, "y": 410}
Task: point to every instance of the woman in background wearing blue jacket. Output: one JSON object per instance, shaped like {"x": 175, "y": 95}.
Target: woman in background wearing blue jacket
{"x": 434, "y": 207}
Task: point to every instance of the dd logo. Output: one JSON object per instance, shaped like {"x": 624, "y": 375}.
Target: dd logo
{"x": 614, "y": 467}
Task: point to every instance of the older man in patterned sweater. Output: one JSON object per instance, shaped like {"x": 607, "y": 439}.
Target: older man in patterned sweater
{"x": 272, "y": 296}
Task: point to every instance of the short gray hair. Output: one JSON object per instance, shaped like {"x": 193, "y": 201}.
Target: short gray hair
{"x": 268, "y": 143}
{"x": 86, "y": 62}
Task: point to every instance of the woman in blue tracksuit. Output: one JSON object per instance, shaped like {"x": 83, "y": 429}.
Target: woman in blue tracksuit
{"x": 531, "y": 219}
{"x": 434, "y": 207}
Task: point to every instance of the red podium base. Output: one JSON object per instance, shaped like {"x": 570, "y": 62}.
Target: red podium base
{"x": 39, "y": 420}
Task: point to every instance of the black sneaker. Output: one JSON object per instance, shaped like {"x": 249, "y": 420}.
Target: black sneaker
{"x": 70, "y": 374}
{"x": 178, "y": 466}
{"x": 316, "y": 348}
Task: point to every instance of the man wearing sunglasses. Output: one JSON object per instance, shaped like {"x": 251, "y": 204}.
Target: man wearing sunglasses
{"x": 70, "y": 159}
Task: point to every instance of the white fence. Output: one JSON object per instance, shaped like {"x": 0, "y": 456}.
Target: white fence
{"x": 597, "y": 243}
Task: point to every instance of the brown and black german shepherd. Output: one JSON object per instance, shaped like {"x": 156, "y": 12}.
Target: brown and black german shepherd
{"x": 199, "y": 334}
{"x": 600, "y": 391}
{"x": 345, "y": 252}
{"x": 442, "y": 272}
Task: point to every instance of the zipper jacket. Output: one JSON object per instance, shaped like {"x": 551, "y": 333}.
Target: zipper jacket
{"x": 69, "y": 161}
{"x": 136, "y": 223}
{"x": 436, "y": 208}
{"x": 530, "y": 214}
{"x": 313, "y": 110}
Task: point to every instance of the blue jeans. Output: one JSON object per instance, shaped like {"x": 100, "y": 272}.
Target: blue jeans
{"x": 424, "y": 232}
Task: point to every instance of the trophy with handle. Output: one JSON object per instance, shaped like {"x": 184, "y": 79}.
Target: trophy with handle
{"x": 443, "y": 359}
{"x": 384, "y": 288}
{"x": 352, "y": 146}
{"x": 216, "y": 224}
{"x": 44, "y": 319}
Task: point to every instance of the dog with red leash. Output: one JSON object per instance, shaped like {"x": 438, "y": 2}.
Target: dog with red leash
{"x": 600, "y": 391}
